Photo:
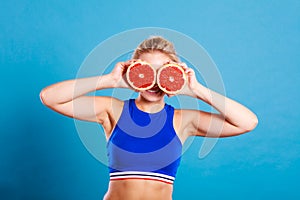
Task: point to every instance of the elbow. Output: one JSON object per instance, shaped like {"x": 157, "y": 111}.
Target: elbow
{"x": 252, "y": 123}
{"x": 242, "y": 129}
{"x": 44, "y": 97}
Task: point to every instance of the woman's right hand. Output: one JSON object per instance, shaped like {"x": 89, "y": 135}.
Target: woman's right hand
{"x": 119, "y": 74}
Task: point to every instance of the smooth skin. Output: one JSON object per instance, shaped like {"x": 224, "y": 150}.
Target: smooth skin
{"x": 69, "y": 98}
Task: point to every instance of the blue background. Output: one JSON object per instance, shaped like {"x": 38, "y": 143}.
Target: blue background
{"x": 255, "y": 45}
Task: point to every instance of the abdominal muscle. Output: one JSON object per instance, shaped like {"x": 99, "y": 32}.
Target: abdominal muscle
{"x": 135, "y": 189}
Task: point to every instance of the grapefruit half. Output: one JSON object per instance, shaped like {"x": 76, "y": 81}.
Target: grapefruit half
{"x": 141, "y": 76}
{"x": 171, "y": 78}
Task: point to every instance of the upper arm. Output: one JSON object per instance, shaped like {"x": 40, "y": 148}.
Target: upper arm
{"x": 207, "y": 124}
{"x": 88, "y": 108}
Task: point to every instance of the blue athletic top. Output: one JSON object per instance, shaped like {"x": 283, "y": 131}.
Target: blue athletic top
{"x": 144, "y": 145}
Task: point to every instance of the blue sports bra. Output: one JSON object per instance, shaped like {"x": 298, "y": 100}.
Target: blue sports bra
{"x": 144, "y": 145}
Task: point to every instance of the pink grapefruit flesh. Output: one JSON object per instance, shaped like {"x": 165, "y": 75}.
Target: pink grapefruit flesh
{"x": 171, "y": 78}
{"x": 141, "y": 76}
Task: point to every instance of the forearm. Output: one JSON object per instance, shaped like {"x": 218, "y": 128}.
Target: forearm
{"x": 232, "y": 111}
{"x": 66, "y": 91}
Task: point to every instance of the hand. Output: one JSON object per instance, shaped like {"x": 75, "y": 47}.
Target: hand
{"x": 191, "y": 82}
{"x": 119, "y": 73}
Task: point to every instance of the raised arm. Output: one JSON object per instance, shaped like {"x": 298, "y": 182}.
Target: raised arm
{"x": 69, "y": 97}
{"x": 233, "y": 118}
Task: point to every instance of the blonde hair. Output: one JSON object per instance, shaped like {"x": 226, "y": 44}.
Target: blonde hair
{"x": 156, "y": 43}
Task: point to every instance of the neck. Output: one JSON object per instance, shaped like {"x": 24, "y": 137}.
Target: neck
{"x": 149, "y": 106}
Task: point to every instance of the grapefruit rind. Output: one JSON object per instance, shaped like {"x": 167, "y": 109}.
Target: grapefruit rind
{"x": 165, "y": 89}
{"x": 131, "y": 83}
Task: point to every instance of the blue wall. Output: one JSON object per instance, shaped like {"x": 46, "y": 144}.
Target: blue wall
{"x": 255, "y": 45}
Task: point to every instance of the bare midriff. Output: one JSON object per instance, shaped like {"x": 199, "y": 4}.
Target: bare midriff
{"x": 137, "y": 189}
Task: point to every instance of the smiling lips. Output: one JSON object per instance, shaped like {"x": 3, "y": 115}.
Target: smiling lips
{"x": 154, "y": 89}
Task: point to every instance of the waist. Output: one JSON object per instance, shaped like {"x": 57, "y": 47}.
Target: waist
{"x": 139, "y": 175}
{"x": 138, "y": 189}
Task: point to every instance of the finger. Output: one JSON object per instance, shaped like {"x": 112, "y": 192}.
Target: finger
{"x": 185, "y": 68}
{"x": 183, "y": 65}
{"x": 190, "y": 72}
{"x": 120, "y": 65}
{"x": 128, "y": 62}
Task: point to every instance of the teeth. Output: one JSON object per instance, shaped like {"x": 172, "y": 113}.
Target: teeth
{"x": 154, "y": 90}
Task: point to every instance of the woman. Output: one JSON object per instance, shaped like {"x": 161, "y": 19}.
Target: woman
{"x": 145, "y": 135}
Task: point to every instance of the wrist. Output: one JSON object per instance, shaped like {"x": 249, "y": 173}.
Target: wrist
{"x": 116, "y": 81}
{"x": 199, "y": 91}
{"x": 106, "y": 81}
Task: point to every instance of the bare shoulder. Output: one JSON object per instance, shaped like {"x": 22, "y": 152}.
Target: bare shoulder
{"x": 183, "y": 117}
{"x": 113, "y": 110}
{"x": 113, "y": 106}
{"x": 116, "y": 108}
{"x": 186, "y": 121}
{"x": 182, "y": 122}
{"x": 109, "y": 101}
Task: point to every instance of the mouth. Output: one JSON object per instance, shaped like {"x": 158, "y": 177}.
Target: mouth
{"x": 154, "y": 90}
